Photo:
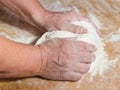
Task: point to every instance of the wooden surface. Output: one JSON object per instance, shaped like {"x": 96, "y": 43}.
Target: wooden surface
{"x": 104, "y": 13}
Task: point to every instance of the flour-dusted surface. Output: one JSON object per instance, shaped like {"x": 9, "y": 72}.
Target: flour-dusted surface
{"x": 104, "y": 13}
{"x": 101, "y": 64}
{"x": 11, "y": 27}
{"x": 16, "y": 34}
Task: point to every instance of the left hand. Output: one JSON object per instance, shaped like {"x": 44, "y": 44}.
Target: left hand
{"x": 62, "y": 21}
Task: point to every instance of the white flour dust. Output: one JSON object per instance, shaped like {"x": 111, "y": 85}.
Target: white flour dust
{"x": 116, "y": 36}
{"x": 15, "y": 34}
{"x": 101, "y": 64}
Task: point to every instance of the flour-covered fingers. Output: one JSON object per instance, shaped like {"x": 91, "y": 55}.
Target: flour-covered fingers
{"x": 81, "y": 68}
{"x": 80, "y": 45}
{"x": 86, "y": 57}
{"x": 84, "y": 46}
{"x": 71, "y": 76}
{"x": 77, "y": 29}
{"x": 78, "y": 67}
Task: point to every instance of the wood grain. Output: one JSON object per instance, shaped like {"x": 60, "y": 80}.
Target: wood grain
{"x": 107, "y": 12}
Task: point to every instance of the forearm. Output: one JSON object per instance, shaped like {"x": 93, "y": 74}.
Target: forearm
{"x": 26, "y": 9}
{"x": 18, "y": 60}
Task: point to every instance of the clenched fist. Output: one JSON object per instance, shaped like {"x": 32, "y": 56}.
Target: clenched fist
{"x": 65, "y": 59}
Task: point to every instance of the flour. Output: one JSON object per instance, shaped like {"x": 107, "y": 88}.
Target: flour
{"x": 95, "y": 20}
{"x": 55, "y": 6}
{"x": 55, "y": 34}
{"x": 101, "y": 64}
{"x": 22, "y": 38}
{"x": 16, "y": 34}
{"x": 115, "y": 37}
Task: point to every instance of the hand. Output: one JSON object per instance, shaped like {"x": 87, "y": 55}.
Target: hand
{"x": 65, "y": 59}
{"x": 62, "y": 21}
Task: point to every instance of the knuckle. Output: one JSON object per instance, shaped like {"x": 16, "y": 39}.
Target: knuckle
{"x": 86, "y": 68}
{"x": 62, "y": 63}
{"x": 93, "y": 57}
{"x": 76, "y": 78}
{"x": 89, "y": 58}
{"x": 63, "y": 74}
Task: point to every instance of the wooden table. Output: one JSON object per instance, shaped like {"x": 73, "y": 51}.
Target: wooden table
{"x": 104, "y": 13}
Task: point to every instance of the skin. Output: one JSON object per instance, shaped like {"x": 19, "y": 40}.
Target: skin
{"x": 62, "y": 64}
{"x": 57, "y": 59}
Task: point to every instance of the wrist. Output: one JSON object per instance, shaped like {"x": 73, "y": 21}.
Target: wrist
{"x": 43, "y": 58}
{"x": 41, "y": 18}
{"x": 35, "y": 60}
{"x": 38, "y": 18}
{"x": 30, "y": 61}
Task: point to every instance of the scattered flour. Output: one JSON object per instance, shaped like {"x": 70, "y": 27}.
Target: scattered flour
{"x": 54, "y": 6}
{"x": 115, "y": 37}
{"x": 119, "y": 30}
{"x": 101, "y": 64}
{"x": 95, "y": 20}
{"x": 16, "y": 34}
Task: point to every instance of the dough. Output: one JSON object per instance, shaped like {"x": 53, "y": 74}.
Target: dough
{"x": 91, "y": 37}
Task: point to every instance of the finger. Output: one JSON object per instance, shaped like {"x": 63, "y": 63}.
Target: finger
{"x": 80, "y": 45}
{"x": 77, "y": 29}
{"x": 77, "y": 17}
{"x": 83, "y": 57}
{"x": 81, "y": 68}
{"x": 84, "y": 46}
{"x": 71, "y": 76}
{"x": 86, "y": 57}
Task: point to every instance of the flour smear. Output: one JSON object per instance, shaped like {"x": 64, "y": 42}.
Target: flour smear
{"x": 101, "y": 64}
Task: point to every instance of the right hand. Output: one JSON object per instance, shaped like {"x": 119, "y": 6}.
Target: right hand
{"x": 65, "y": 59}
